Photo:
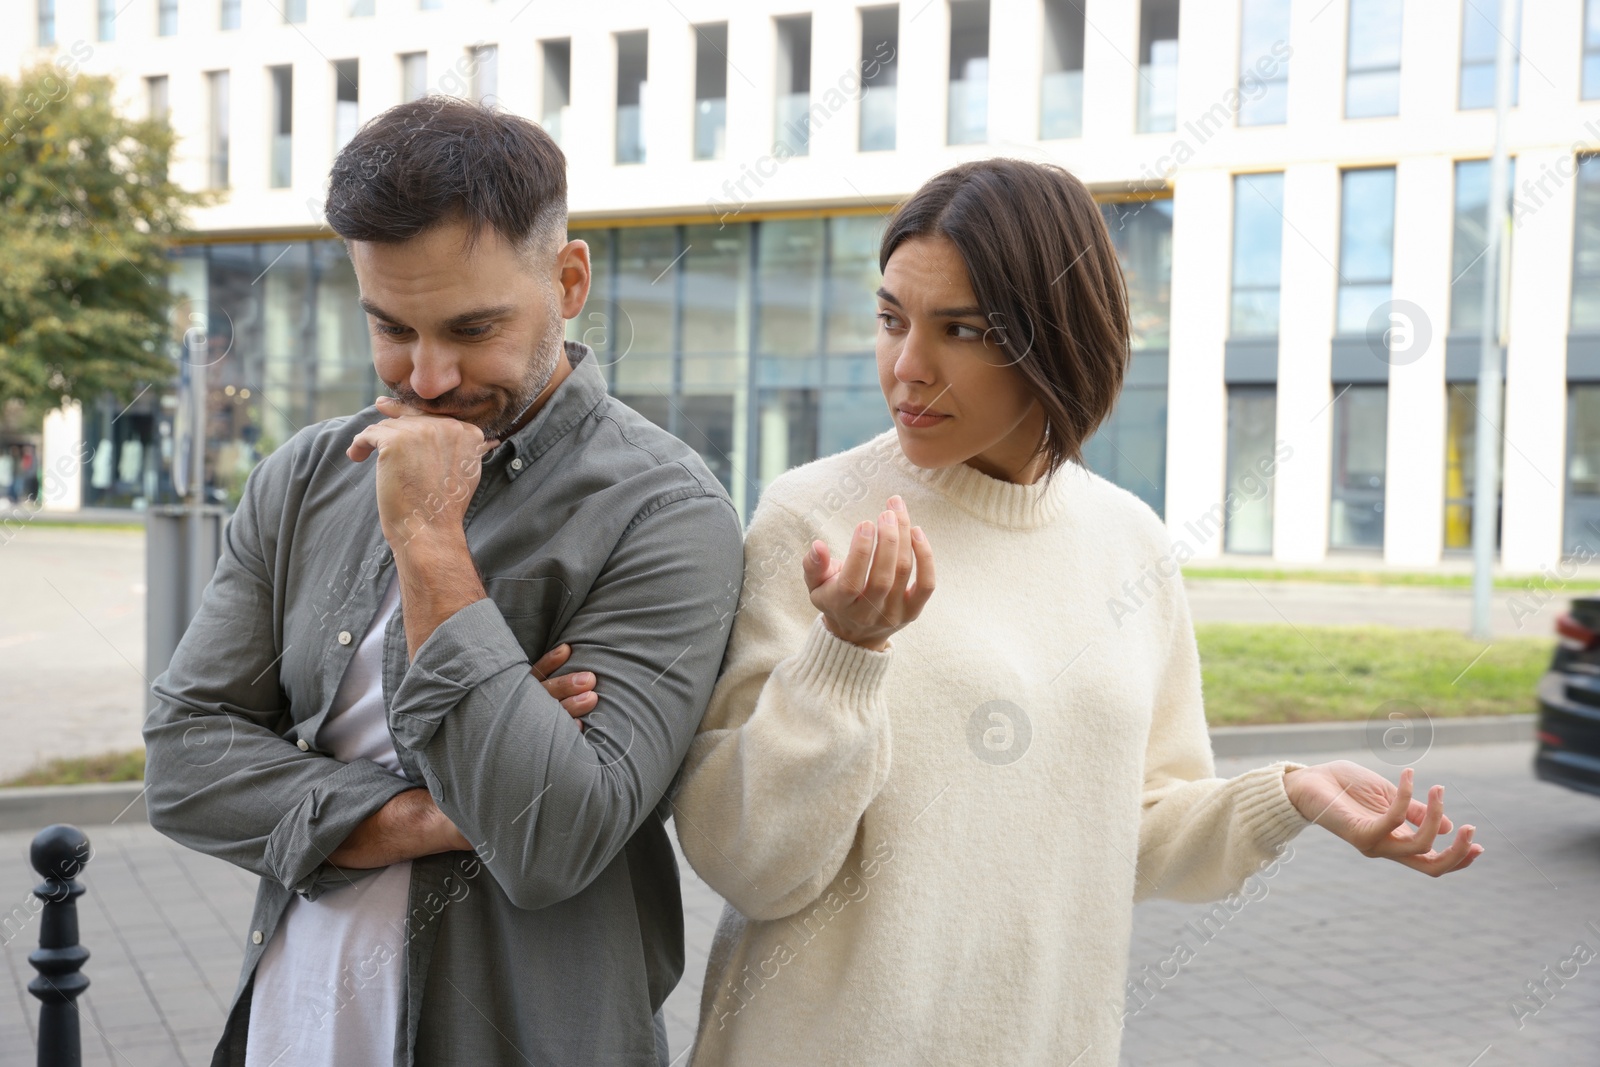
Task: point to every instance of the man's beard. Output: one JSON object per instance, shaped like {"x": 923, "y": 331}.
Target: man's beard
{"x": 541, "y": 368}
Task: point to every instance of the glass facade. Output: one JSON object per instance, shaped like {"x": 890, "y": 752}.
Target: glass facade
{"x": 753, "y": 342}
{"x": 1586, "y": 248}
{"x": 346, "y": 101}
{"x": 1581, "y": 516}
{"x": 1257, "y": 254}
{"x": 791, "y": 119}
{"x": 556, "y": 86}
{"x": 1263, "y": 41}
{"x": 633, "y": 54}
{"x": 1366, "y": 246}
{"x": 1360, "y": 438}
{"x": 1591, "y": 49}
{"x": 413, "y": 76}
{"x": 1480, "y": 38}
{"x": 969, "y": 72}
{"x": 1158, "y": 66}
{"x": 1252, "y": 419}
{"x": 105, "y": 22}
{"x": 282, "y": 145}
{"x": 217, "y": 123}
{"x": 1130, "y": 448}
{"x": 1061, "y": 82}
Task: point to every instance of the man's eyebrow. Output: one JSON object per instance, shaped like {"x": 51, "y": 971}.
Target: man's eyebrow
{"x": 475, "y": 315}
{"x": 938, "y": 313}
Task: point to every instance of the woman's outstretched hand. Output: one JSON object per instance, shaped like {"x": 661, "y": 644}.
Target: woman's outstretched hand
{"x": 870, "y": 595}
{"x": 1367, "y": 810}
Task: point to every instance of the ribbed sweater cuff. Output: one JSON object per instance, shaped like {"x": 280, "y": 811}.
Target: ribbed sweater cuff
{"x": 837, "y": 671}
{"x": 1265, "y": 811}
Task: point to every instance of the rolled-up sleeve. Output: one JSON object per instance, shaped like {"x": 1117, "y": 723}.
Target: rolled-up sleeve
{"x": 220, "y": 777}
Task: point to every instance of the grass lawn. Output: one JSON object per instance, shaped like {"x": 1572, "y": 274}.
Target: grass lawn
{"x": 1332, "y": 577}
{"x": 111, "y": 767}
{"x": 1277, "y": 673}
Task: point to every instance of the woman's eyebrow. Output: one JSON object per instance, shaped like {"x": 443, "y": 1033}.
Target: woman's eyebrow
{"x": 972, "y": 311}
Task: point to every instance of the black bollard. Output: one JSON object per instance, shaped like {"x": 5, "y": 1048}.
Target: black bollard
{"x": 59, "y": 853}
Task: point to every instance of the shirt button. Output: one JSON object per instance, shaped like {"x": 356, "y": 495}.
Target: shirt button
{"x": 516, "y": 464}
{"x": 344, "y": 637}
{"x": 304, "y": 747}
{"x": 255, "y": 938}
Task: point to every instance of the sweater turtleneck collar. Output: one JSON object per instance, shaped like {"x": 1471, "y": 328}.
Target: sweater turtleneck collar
{"x": 1009, "y": 504}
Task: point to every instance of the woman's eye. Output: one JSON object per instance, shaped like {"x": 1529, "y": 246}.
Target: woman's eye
{"x": 888, "y": 320}
{"x": 972, "y": 333}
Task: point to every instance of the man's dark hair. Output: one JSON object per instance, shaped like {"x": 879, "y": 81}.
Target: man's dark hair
{"x": 1044, "y": 270}
{"x": 441, "y": 159}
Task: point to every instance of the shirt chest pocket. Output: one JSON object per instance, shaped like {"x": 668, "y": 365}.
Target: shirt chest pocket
{"x": 534, "y": 608}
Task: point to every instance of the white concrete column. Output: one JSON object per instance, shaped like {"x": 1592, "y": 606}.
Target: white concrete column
{"x": 1197, "y": 405}
{"x": 923, "y": 96}
{"x": 1111, "y": 70}
{"x": 61, "y": 459}
{"x": 1304, "y": 418}
{"x": 835, "y": 82}
{"x": 1016, "y": 58}
{"x": 1534, "y": 447}
{"x": 669, "y": 106}
{"x": 1413, "y": 527}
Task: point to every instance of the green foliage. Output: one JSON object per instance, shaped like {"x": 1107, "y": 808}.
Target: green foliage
{"x": 86, "y": 214}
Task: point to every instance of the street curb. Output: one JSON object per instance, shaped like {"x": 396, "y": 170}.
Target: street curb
{"x": 1289, "y": 740}
{"x": 96, "y": 804}
{"x": 35, "y": 807}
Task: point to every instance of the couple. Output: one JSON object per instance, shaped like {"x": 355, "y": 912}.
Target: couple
{"x": 467, "y": 650}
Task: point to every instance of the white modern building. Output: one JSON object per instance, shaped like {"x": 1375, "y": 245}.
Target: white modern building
{"x": 1286, "y": 180}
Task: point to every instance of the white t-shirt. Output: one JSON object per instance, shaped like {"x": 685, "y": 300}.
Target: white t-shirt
{"x": 330, "y": 985}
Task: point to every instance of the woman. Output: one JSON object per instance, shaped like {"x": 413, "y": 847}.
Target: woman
{"x": 932, "y": 810}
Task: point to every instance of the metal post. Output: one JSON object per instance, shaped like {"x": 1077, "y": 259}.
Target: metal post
{"x": 59, "y": 853}
{"x": 1486, "y": 481}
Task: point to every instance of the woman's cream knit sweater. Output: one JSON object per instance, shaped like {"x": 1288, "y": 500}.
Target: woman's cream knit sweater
{"x": 931, "y": 853}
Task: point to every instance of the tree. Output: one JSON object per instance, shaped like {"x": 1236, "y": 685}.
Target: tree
{"x": 86, "y": 215}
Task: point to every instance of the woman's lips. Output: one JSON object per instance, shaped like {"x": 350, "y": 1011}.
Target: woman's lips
{"x": 909, "y": 417}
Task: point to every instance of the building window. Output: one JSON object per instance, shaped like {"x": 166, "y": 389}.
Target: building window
{"x": 1252, "y": 418}
{"x": 217, "y": 126}
{"x": 1061, "y": 85}
{"x": 294, "y": 11}
{"x": 430, "y": 5}
{"x": 362, "y": 8}
{"x": 1461, "y": 462}
{"x": 1470, "y": 243}
{"x": 792, "y": 118}
{"x": 711, "y": 91}
{"x": 155, "y": 96}
{"x": 1591, "y": 49}
{"x": 1480, "y": 38}
{"x": 346, "y": 101}
{"x": 485, "y": 62}
{"x": 633, "y": 70}
{"x": 47, "y": 22}
{"x": 282, "y": 126}
{"x": 969, "y": 72}
{"x": 413, "y": 76}
{"x": 1257, "y": 254}
{"x": 1581, "y": 516}
{"x": 880, "y": 65}
{"x": 166, "y": 18}
{"x": 1360, "y": 437}
{"x": 1130, "y": 448}
{"x": 106, "y": 20}
{"x": 1586, "y": 248}
{"x": 1372, "y": 59}
{"x": 1158, "y": 65}
{"x": 557, "y": 87}
{"x": 228, "y": 14}
{"x": 1366, "y": 246}
{"x": 1264, "y": 62}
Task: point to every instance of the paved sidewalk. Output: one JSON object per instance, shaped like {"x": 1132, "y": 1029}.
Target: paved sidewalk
{"x": 1335, "y": 961}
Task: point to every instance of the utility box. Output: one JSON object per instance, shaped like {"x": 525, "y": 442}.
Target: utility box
{"x": 181, "y": 552}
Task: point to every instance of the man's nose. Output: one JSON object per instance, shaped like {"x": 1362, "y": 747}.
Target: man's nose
{"x": 434, "y": 370}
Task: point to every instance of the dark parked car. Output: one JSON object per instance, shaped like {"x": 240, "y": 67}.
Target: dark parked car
{"x": 1569, "y": 702}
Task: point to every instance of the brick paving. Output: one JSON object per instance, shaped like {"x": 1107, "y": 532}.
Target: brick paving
{"x": 1335, "y": 961}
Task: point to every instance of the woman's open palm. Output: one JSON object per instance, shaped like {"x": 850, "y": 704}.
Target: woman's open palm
{"x": 870, "y": 594}
{"x": 1371, "y": 813}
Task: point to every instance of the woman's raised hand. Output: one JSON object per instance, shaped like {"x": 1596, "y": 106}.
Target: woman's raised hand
{"x": 871, "y": 594}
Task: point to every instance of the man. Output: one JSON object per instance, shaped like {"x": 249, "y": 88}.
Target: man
{"x": 452, "y": 871}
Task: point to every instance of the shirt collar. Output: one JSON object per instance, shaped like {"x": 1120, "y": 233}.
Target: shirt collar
{"x": 570, "y": 404}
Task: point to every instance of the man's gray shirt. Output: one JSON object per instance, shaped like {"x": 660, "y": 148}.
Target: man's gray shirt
{"x": 557, "y": 940}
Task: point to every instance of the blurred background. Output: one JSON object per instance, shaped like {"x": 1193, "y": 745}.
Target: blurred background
{"x": 1300, "y": 195}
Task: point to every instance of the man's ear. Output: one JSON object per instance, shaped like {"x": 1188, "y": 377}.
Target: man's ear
{"x": 573, "y": 275}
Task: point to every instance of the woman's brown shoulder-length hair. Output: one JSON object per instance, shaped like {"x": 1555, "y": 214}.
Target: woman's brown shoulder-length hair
{"x": 1043, "y": 268}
